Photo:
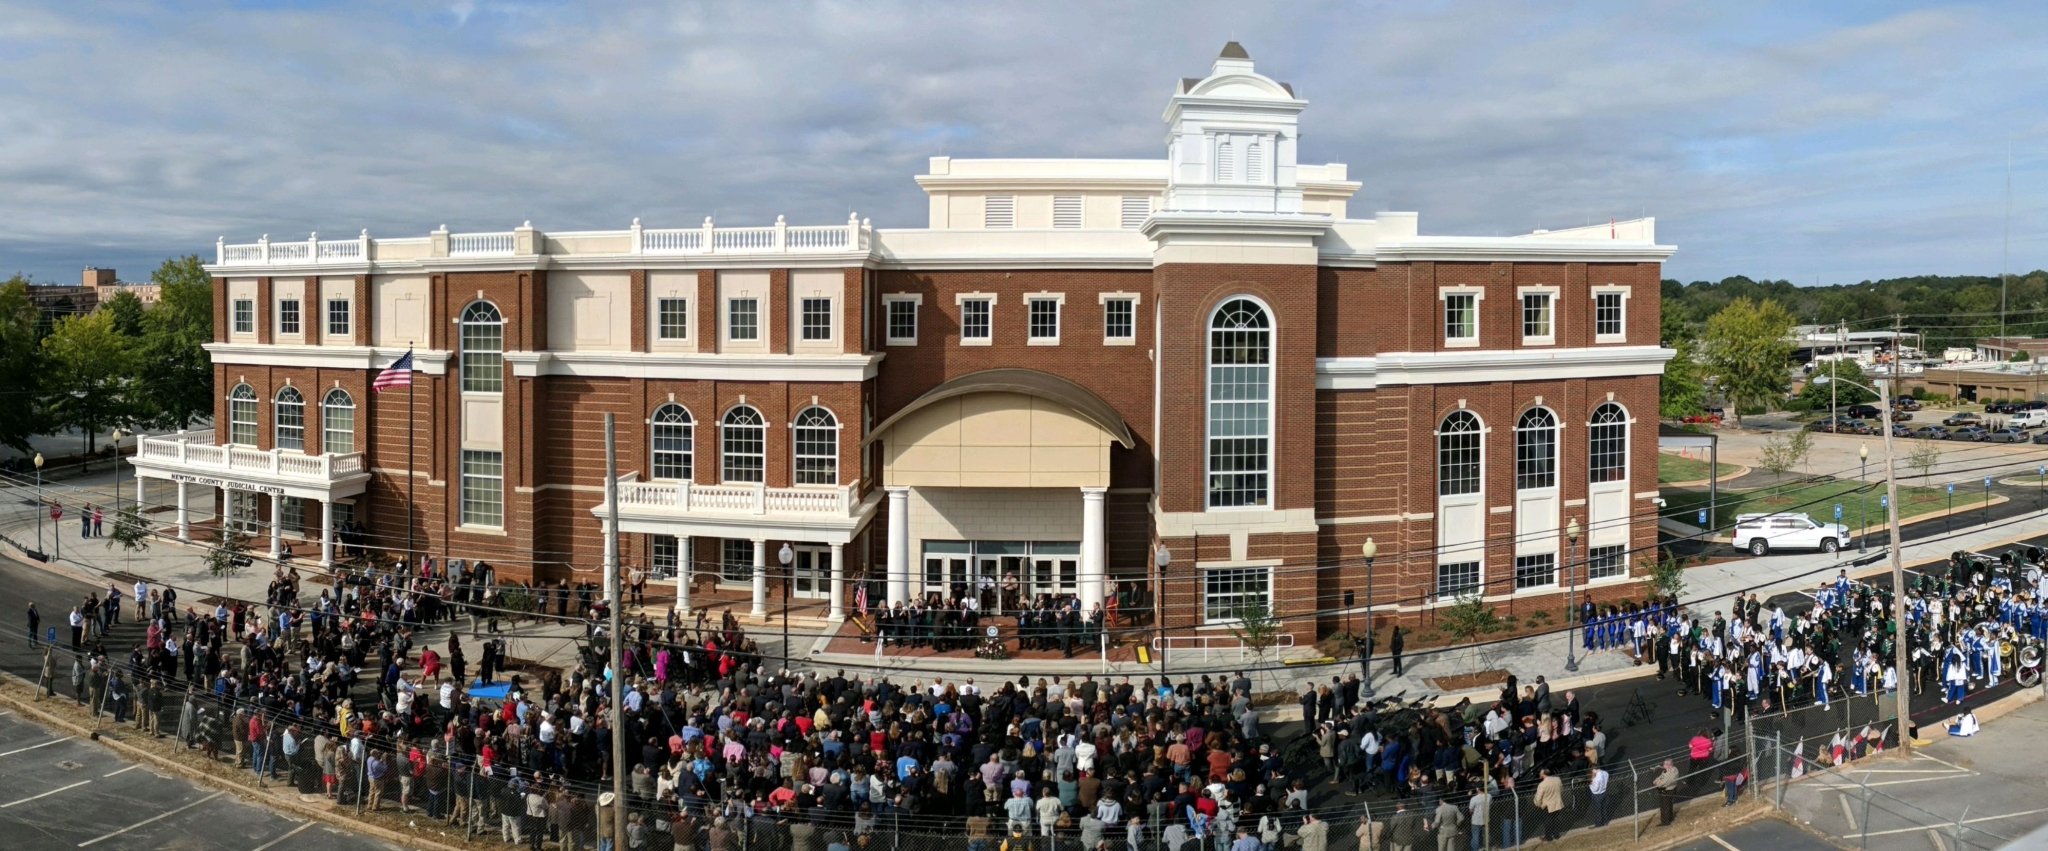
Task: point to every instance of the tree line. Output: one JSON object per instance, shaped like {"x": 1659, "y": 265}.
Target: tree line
{"x": 119, "y": 366}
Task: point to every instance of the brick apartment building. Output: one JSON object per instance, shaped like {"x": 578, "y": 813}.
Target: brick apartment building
{"x": 1075, "y": 366}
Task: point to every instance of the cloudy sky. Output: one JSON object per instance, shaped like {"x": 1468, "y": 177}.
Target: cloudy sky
{"x": 1834, "y": 141}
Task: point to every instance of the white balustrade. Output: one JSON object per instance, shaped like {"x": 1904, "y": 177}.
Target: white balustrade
{"x": 480, "y": 244}
{"x": 855, "y": 235}
{"x": 196, "y": 451}
{"x": 313, "y": 250}
{"x": 743, "y": 239}
{"x": 672, "y": 241}
{"x": 818, "y": 238}
{"x": 688, "y": 498}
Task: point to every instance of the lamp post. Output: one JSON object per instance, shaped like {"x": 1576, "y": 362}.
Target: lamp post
{"x": 1891, "y": 488}
{"x": 39, "y": 502}
{"x": 1571, "y": 599}
{"x": 1863, "y": 498}
{"x": 1371, "y": 550}
{"x": 788, "y": 557}
{"x": 1161, "y": 557}
{"x": 117, "y": 435}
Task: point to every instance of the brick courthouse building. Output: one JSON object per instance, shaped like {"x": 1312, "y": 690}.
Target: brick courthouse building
{"x": 1077, "y": 364}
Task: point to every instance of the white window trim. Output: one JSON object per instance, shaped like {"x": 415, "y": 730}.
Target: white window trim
{"x": 1104, "y": 299}
{"x": 838, "y": 469}
{"x": 1478, "y": 295}
{"x": 1555, "y": 315}
{"x": 1271, "y": 566}
{"x": 796, "y": 337}
{"x": 689, "y": 319}
{"x": 1060, "y": 319}
{"x": 235, "y": 318}
{"x": 761, "y": 307}
{"x": 327, "y": 321}
{"x": 1625, "y": 292}
{"x": 960, "y": 300}
{"x": 888, "y": 336}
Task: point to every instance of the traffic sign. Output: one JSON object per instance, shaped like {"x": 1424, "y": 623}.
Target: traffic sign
{"x": 1703, "y": 517}
{"x": 1951, "y": 488}
{"x": 1886, "y": 501}
{"x": 1987, "y": 481}
{"x": 1838, "y": 511}
{"x": 56, "y": 511}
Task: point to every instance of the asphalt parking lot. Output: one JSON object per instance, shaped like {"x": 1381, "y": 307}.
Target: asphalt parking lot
{"x": 59, "y": 792}
{"x": 1764, "y": 835}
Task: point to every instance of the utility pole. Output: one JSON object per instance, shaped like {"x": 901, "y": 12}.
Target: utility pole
{"x": 1891, "y": 490}
{"x": 614, "y": 641}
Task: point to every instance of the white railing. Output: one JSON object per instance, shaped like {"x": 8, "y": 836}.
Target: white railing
{"x": 1216, "y": 644}
{"x": 195, "y": 450}
{"x": 779, "y": 237}
{"x": 480, "y": 244}
{"x": 264, "y": 252}
{"x": 690, "y": 498}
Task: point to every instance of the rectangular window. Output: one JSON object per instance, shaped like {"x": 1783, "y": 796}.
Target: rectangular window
{"x": 901, "y": 320}
{"x": 1457, "y": 578}
{"x": 338, "y": 323}
{"x": 1537, "y": 571}
{"x": 245, "y": 316}
{"x": 340, "y": 515}
{"x": 1461, "y": 317}
{"x": 1228, "y": 593}
{"x": 293, "y": 521}
{"x": 999, "y": 211}
{"x": 483, "y": 488}
{"x": 1607, "y": 562}
{"x": 666, "y": 553}
{"x": 1607, "y": 316}
{"x": 817, "y": 319}
{"x": 974, "y": 320}
{"x": 1536, "y": 318}
{"x": 743, "y": 319}
{"x": 736, "y": 560}
{"x": 672, "y": 318}
{"x": 1119, "y": 320}
{"x": 288, "y": 316}
{"x": 1136, "y": 209}
{"x": 1045, "y": 320}
{"x": 1066, "y": 211}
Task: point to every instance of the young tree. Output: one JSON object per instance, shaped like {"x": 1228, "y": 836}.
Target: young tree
{"x": 1785, "y": 452}
{"x": 1748, "y": 354}
{"x": 21, "y": 356}
{"x": 228, "y": 556}
{"x": 129, "y": 531}
{"x": 89, "y": 370}
{"x": 1468, "y": 620}
{"x": 1257, "y": 628}
{"x": 177, "y": 373}
{"x": 1924, "y": 458}
{"x": 1667, "y": 574}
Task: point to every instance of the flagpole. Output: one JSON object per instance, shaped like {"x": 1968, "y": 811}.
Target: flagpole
{"x": 411, "y": 432}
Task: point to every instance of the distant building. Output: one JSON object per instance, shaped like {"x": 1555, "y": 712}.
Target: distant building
{"x": 105, "y": 284}
{"x": 62, "y": 300}
{"x": 2001, "y": 349}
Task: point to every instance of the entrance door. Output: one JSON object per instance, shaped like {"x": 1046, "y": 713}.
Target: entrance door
{"x": 812, "y": 571}
{"x": 242, "y": 512}
{"x": 1055, "y": 575}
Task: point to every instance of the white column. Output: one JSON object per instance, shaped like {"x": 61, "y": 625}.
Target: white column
{"x": 760, "y": 579}
{"x": 184, "y": 514}
{"x": 838, "y": 611}
{"x": 1091, "y": 548}
{"x": 685, "y": 550}
{"x": 899, "y": 546}
{"x": 276, "y": 525}
{"x": 141, "y": 495}
{"x": 326, "y": 536}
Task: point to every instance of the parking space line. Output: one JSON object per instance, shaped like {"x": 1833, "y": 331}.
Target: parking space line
{"x": 33, "y": 747}
{"x": 122, "y": 770}
{"x": 1966, "y": 821}
{"x": 150, "y": 820}
{"x": 1848, "y": 815}
{"x": 44, "y": 795}
{"x": 1934, "y": 836}
{"x": 295, "y": 831}
{"x": 1722, "y": 842}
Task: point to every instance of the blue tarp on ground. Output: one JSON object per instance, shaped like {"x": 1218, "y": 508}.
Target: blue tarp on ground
{"x": 494, "y": 691}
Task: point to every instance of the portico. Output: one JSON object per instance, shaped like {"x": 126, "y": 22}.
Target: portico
{"x": 246, "y": 476}
{"x": 997, "y": 480}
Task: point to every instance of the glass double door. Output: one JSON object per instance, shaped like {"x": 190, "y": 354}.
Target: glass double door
{"x": 811, "y": 573}
{"x": 1004, "y": 574}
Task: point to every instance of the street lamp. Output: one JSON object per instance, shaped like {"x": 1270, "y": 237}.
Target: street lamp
{"x": 117, "y": 475}
{"x": 1371, "y": 550}
{"x": 1863, "y": 498}
{"x": 1891, "y": 489}
{"x": 1161, "y": 557}
{"x": 1571, "y": 599}
{"x": 39, "y": 502}
{"x": 788, "y": 557}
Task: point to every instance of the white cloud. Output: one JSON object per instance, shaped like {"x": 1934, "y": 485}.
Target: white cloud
{"x": 1844, "y": 142}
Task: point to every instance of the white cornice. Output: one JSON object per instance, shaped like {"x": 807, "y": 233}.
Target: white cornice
{"x": 665, "y": 262}
{"x": 429, "y": 361}
{"x": 1517, "y": 249}
{"x": 939, "y": 263}
{"x": 659, "y": 365}
{"x": 298, "y": 270}
{"x": 1479, "y": 367}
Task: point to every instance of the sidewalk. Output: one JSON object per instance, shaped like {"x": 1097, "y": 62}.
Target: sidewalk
{"x": 1708, "y": 588}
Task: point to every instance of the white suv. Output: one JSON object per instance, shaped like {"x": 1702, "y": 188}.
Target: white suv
{"x": 1759, "y": 533}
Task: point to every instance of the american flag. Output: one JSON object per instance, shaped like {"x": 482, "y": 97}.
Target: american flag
{"x": 398, "y": 374}
{"x": 860, "y": 598}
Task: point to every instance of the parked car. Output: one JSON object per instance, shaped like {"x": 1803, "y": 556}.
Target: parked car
{"x": 1902, "y": 430}
{"x": 1865, "y": 412}
{"x": 1963, "y": 418}
{"x": 2029, "y": 418}
{"x": 1908, "y": 403}
{"x": 1931, "y": 433}
{"x": 1857, "y": 427}
{"x": 1994, "y": 407}
{"x": 2008, "y": 434}
{"x": 1760, "y": 533}
{"x": 1902, "y": 416}
{"x": 2041, "y": 439}
{"x": 1970, "y": 433}
{"x": 2037, "y": 405}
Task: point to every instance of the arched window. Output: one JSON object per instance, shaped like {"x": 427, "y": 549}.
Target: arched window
{"x": 291, "y": 419}
{"x": 1536, "y": 450}
{"x": 743, "y": 445}
{"x": 1457, "y": 455}
{"x": 483, "y": 349}
{"x": 816, "y": 434}
{"x": 1240, "y": 404}
{"x": 338, "y": 422}
{"x": 675, "y": 439}
{"x": 1608, "y": 434}
{"x": 242, "y": 415}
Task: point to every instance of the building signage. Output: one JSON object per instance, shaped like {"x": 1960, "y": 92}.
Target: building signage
{"x": 230, "y": 484}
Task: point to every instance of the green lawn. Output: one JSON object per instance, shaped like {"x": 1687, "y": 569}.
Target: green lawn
{"x": 1818, "y": 500}
{"x": 1674, "y": 468}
